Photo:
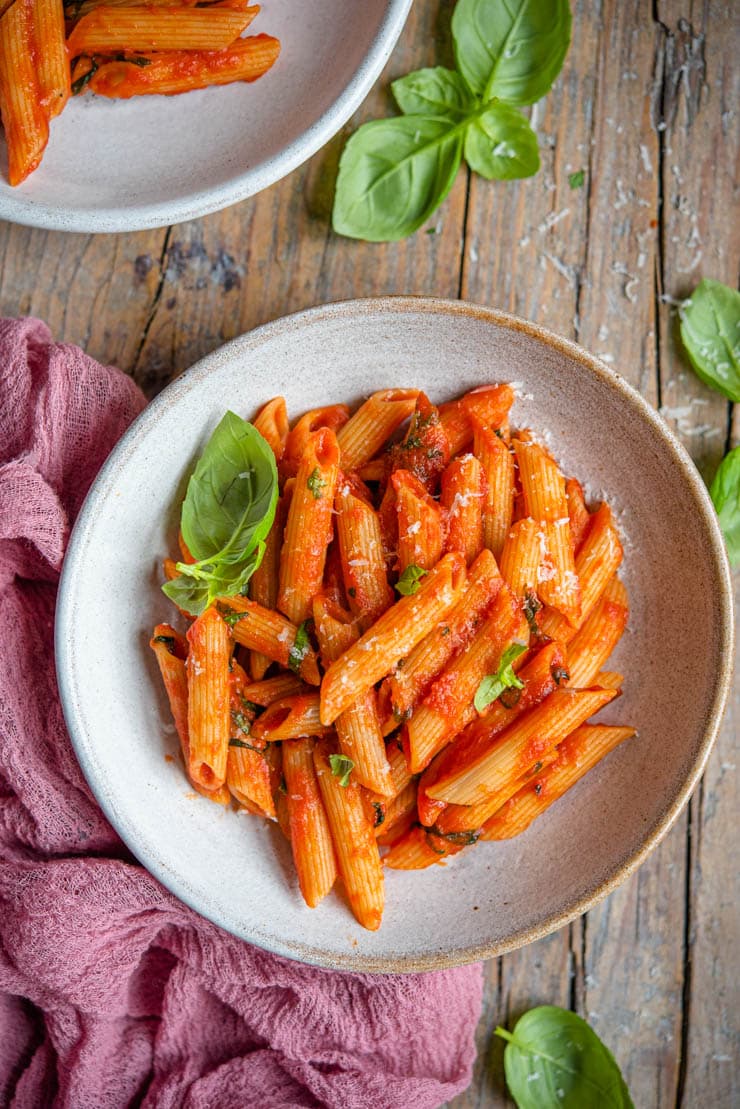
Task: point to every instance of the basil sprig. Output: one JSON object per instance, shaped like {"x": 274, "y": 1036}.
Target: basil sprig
{"x": 493, "y": 685}
{"x": 725, "y": 494}
{"x": 710, "y": 332}
{"x": 554, "y": 1060}
{"x": 228, "y": 511}
{"x": 394, "y": 173}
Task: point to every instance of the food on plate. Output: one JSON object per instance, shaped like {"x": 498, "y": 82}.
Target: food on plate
{"x": 399, "y": 622}
{"x": 50, "y": 50}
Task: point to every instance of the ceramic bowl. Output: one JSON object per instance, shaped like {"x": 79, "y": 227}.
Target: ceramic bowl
{"x": 676, "y": 656}
{"x": 155, "y": 160}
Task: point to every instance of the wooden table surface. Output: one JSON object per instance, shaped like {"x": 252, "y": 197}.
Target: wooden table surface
{"x": 647, "y": 106}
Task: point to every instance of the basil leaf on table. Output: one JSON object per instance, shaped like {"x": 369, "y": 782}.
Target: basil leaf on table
{"x": 500, "y": 144}
{"x": 511, "y": 49}
{"x": 434, "y": 92}
{"x": 393, "y": 173}
{"x": 710, "y": 332}
{"x": 228, "y": 510}
{"x": 554, "y": 1060}
{"x": 725, "y": 494}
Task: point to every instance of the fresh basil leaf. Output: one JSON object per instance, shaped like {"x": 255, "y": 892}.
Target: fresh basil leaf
{"x": 188, "y": 594}
{"x": 511, "y": 49}
{"x": 554, "y": 1060}
{"x": 710, "y": 331}
{"x": 725, "y": 494}
{"x": 231, "y": 497}
{"x": 433, "y": 92}
{"x": 208, "y": 583}
{"x": 575, "y": 180}
{"x": 500, "y": 144}
{"x": 410, "y": 579}
{"x": 300, "y": 648}
{"x": 492, "y": 686}
{"x": 393, "y": 173}
{"x": 341, "y": 767}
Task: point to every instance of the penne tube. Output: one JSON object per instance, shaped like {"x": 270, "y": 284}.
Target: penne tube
{"x": 392, "y": 817}
{"x": 361, "y": 553}
{"x": 281, "y": 811}
{"x": 594, "y": 642}
{"x": 358, "y": 860}
{"x": 424, "y": 450}
{"x": 608, "y": 679}
{"x": 421, "y": 847}
{"x": 358, "y": 727}
{"x": 577, "y": 512}
{"x": 462, "y": 491}
{"x": 465, "y": 757}
{"x": 308, "y": 530}
{"x": 209, "y": 719}
{"x": 265, "y": 692}
{"x": 24, "y": 119}
{"x": 248, "y": 777}
{"x": 520, "y": 747}
{"x": 497, "y": 463}
{"x": 597, "y": 562}
{"x": 371, "y": 426}
{"x": 130, "y": 29}
{"x": 420, "y": 533}
{"x": 169, "y": 72}
{"x": 333, "y": 416}
{"x": 52, "y": 59}
{"x": 443, "y": 711}
{"x": 263, "y": 585}
{"x": 576, "y": 755}
{"x": 400, "y": 775}
{"x": 272, "y": 423}
{"x": 310, "y": 835}
{"x": 488, "y": 406}
{"x": 408, "y": 683}
{"x": 260, "y": 629}
{"x": 457, "y": 426}
{"x": 520, "y": 557}
{"x": 291, "y": 718}
{"x": 392, "y": 637}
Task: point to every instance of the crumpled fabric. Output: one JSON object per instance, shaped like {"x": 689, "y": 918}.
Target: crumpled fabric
{"x": 112, "y": 992}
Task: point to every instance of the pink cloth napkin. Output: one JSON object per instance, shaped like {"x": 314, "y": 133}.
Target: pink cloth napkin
{"x": 113, "y": 993}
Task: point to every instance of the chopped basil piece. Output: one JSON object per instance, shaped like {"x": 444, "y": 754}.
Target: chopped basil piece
{"x": 408, "y": 583}
{"x": 315, "y": 484}
{"x": 575, "y": 180}
{"x": 300, "y": 648}
{"x": 341, "y": 767}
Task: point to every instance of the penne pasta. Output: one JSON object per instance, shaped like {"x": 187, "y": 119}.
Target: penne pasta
{"x": 260, "y": 629}
{"x": 290, "y": 718}
{"x": 497, "y": 463}
{"x": 108, "y": 29}
{"x": 372, "y": 425}
{"x": 310, "y": 835}
{"x": 488, "y": 406}
{"x": 420, "y": 532}
{"x": 333, "y": 416}
{"x": 361, "y": 553}
{"x": 577, "y": 512}
{"x": 52, "y": 59}
{"x": 358, "y": 860}
{"x": 272, "y": 423}
{"x": 209, "y": 720}
{"x": 443, "y": 711}
{"x": 24, "y": 117}
{"x": 248, "y": 773}
{"x": 598, "y": 636}
{"x": 393, "y": 635}
{"x": 520, "y": 557}
{"x": 308, "y": 530}
{"x": 576, "y": 755}
{"x": 424, "y": 450}
{"x": 358, "y": 727}
{"x": 420, "y": 847}
{"x": 457, "y": 426}
{"x": 264, "y": 583}
{"x": 265, "y": 692}
{"x": 463, "y": 488}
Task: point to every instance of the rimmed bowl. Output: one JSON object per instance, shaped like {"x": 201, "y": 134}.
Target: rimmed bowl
{"x": 676, "y": 655}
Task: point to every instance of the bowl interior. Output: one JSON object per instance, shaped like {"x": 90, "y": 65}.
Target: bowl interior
{"x": 113, "y": 165}
{"x": 236, "y": 870}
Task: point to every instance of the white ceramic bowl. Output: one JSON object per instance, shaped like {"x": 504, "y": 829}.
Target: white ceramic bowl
{"x": 155, "y": 160}
{"x": 237, "y": 870}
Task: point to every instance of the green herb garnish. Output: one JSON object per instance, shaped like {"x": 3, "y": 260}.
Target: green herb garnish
{"x": 85, "y": 79}
{"x": 710, "y": 332}
{"x": 408, "y": 583}
{"x": 242, "y": 722}
{"x": 315, "y": 484}
{"x": 300, "y": 648}
{"x": 725, "y": 494}
{"x": 341, "y": 767}
{"x": 168, "y": 640}
{"x": 228, "y": 511}
{"x": 493, "y": 685}
{"x": 379, "y": 814}
{"x": 559, "y": 674}
{"x": 554, "y": 1059}
{"x": 241, "y": 743}
{"x": 394, "y": 173}
{"x": 575, "y": 180}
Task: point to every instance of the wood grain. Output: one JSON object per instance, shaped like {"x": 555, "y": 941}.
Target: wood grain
{"x": 647, "y": 107}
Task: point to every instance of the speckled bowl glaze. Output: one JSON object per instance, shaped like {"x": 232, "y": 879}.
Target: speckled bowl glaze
{"x": 155, "y": 160}
{"x": 676, "y": 656}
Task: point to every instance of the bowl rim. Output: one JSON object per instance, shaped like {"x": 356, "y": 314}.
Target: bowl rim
{"x": 18, "y": 208}
{"x": 400, "y": 305}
